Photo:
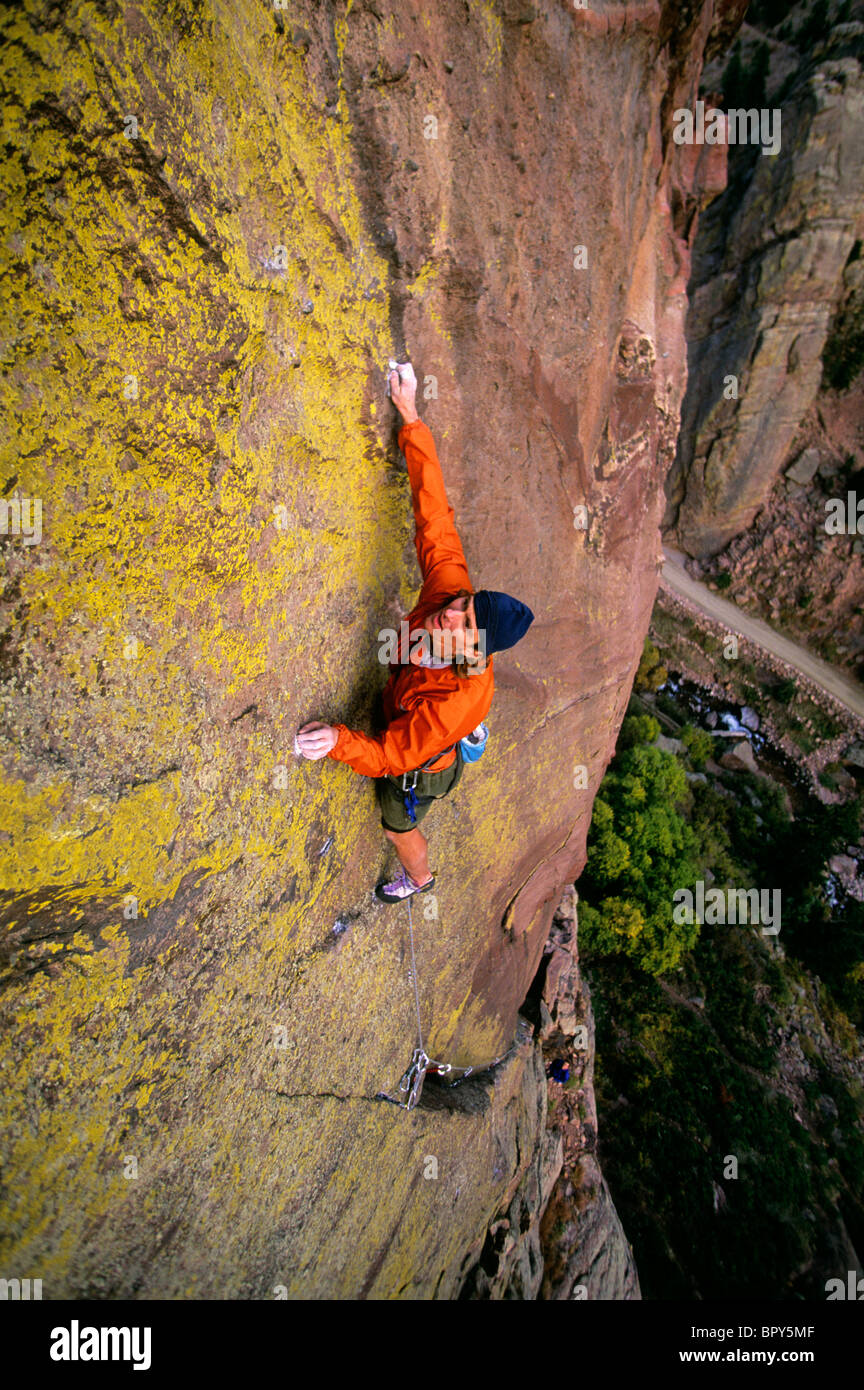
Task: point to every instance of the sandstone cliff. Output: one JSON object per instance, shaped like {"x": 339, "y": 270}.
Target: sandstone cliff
{"x": 559, "y": 1237}
{"x": 773, "y": 262}
{"x": 219, "y": 223}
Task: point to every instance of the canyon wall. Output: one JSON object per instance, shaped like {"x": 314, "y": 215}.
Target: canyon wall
{"x": 774, "y": 260}
{"x": 219, "y": 222}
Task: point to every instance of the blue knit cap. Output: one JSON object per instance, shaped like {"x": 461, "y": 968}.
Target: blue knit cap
{"x": 501, "y": 619}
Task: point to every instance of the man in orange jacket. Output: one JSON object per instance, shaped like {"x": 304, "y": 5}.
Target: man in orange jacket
{"x": 441, "y": 687}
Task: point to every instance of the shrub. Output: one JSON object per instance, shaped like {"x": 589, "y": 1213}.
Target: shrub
{"x": 640, "y": 850}
{"x": 699, "y": 744}
{"x": 651, "y": 674}
{"x": 767, "y": 14}
{"x": 785, "y": 691}
{"x": 815, "y": 27}
{"x": 637, "y": 728}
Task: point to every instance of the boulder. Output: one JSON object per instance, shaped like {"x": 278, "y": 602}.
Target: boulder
{"x": 802, "y": 471}
{"x": 750, "y": 719}
{"x": 843, "y": 865}
{"x": 739, "y": 758}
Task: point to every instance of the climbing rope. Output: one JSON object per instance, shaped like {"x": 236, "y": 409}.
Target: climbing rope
{"x": 411, "y": 1085}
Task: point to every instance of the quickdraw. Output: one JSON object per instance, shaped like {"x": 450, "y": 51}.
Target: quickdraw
{"x": 409, "y": 795}
{"x": 411, "y": 1085}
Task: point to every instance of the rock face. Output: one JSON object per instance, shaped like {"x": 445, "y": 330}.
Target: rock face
{"x": 219, "y": 224}
{"x": 560, "y": 1237}
{"x": 768, "y": 274}
{"x": 586, "y": 1253}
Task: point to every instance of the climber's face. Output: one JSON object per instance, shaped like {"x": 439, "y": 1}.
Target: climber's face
{"x": 455, "y": 617}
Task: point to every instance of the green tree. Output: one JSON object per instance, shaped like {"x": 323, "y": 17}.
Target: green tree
{"x": 610, "y": 854}
{"x": 640, "y": 850}
{"x": 785, "y": 691}
{"x": 651, "y": 674}
{"x": 732, "y": 80}
{"x": 816, "y": 26}
{"x": 615, "y": 926}
{"x": 637, "y": 728}
{"x": 757, "y": 75}
{"x": 699, "y": 744}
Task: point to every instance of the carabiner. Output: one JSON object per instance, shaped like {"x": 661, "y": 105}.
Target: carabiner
{"x": 412, "y": 1080}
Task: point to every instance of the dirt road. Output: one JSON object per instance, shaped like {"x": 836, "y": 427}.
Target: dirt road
{"x": 847, "y": 691}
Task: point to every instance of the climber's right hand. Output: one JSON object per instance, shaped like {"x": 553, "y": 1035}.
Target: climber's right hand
{"x": 315, "y": 740}
{"x": 403, "y": 389}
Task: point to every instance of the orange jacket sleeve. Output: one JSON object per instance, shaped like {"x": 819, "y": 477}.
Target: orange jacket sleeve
{"x": 437, "y": 720}
{"x": 439, "y": 549}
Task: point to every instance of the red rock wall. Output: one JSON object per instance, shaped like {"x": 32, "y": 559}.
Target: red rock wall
{"x": 198, "y": 977}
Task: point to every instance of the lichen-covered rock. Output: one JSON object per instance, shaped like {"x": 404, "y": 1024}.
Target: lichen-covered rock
{"x": 218, "y": 224}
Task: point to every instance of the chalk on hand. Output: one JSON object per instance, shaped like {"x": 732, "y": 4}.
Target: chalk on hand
{"x": 392, "y": 367}
{"x": 297, "y": 749}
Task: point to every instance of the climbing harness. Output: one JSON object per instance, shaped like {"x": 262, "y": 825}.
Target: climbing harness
{"x": 471, "y": 748}
{"x": 411, "y": 1085}
{"x": 409, "y": 795}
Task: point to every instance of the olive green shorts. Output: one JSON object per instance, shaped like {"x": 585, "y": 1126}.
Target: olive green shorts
{"x": 430, "y": 786}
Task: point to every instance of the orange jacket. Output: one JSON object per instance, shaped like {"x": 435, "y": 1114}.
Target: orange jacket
{"x": 426, "y": 708}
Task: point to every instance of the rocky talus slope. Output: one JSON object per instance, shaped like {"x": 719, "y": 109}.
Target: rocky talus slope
{"x": 218, "y": 224}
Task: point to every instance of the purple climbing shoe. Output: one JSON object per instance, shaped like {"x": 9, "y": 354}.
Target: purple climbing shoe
{"x": 402, "y": 887}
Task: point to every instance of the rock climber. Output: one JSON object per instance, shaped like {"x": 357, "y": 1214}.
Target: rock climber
{"x": 440, "y": 688}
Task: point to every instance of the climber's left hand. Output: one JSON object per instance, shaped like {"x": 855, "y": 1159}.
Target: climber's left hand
{"x": 315, "y": 740}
